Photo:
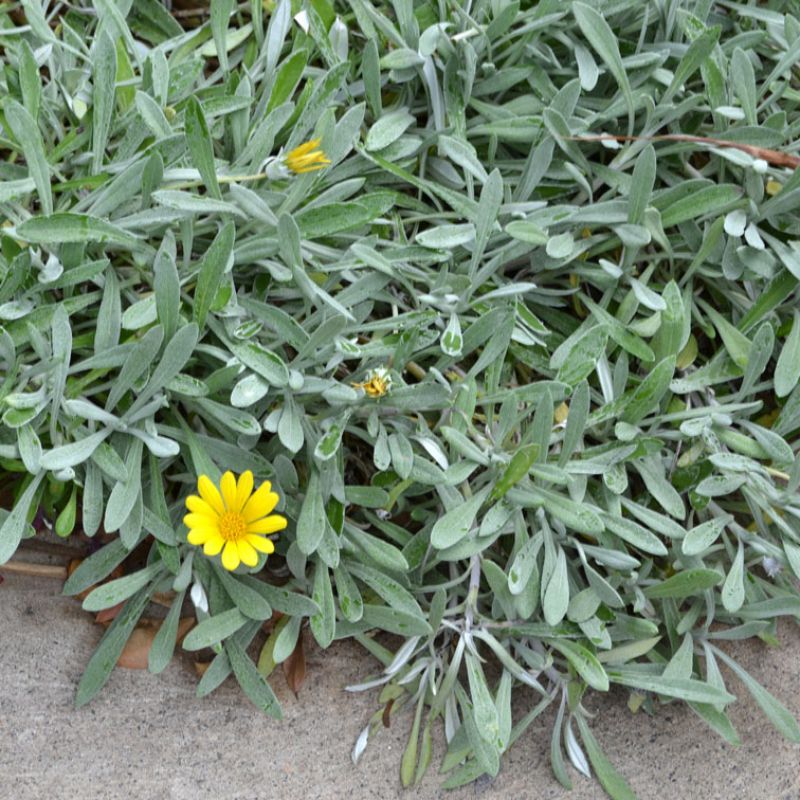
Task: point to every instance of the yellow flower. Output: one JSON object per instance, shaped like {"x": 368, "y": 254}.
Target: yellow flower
{"x": 234, "y": 522}
{"x": 377, "y": 384}
{"x": 773, "y": 187}
{"x": 306, "y": 158}
{"x": 561, "y": 413}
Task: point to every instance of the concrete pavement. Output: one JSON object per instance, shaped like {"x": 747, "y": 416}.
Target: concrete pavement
{"x": 149, "y": 738}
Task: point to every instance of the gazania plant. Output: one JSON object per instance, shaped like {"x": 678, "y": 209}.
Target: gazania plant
{"x": 467, "y": 331}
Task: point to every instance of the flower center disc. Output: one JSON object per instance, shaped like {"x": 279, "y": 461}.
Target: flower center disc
{"x": 232, "y": 526}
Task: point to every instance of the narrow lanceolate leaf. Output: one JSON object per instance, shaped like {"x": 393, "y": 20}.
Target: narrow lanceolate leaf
{"x": 688, "y": 582}
{"x": 249, "y": 601}
{"x": 556, "y": 596}
{"x": 736, "y": 343}
{"x": 212, "y": 267}
{"x": 643, "y": 179}
{"x": 697, "y": 52}
{"x": 584, "y": 661}
{"x": 220, "y": 14}
{"x": 323, "y": 623}
{"x": 620, "y": 334}
{"x": 14, "y": 525}
{"x": 787, "y": 370}
{"x": 201, "y": 148}
{"x": 649, "y": 392}
{"x": 96, "y": 567}
{"x": 312, "y": 520}
{"x": 599, "y": 34}
{"x": 100, "y": 665}
{"x": 66, "y": 228}
{"x": 616, "y": 786}
{"x": 214, "y": 629}
{"x": 104, "y": 74}
{"x": 706, "y": 201}
{"x": 457, "y": 523}
{"x": 70, "y": 455}
{"x": 27, "y": 134}
{"x": 152, "y": 115}
{"x": 253, "y": 684}
{"x": 575, "y": 516}
{"x": 684, "y": 688}
{"x": 485, "y": 711}
{"x": 164, "y": 642}
{"x": 783, "y": 720}
{"x": 516, "y": 470}
{"x": 176, "y": 353}
{"x": 733, "y": 588}
{"x": 702, "y": 536}
{"x": 635, "y": 534}
{"x": 116, "y": 591}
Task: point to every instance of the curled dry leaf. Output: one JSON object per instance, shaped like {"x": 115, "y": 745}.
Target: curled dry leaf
{"x": 108, "y": 614}
{"x": 387, "y": 714}
{"x": 137, "y": 649}
{"x": 268, "y": 626}
{"x": 294, "y": 668}
{"x": 200, "y": 667}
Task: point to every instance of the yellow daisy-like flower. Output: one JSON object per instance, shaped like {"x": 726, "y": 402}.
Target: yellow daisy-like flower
{"x": 377, "y": 384}
{"x": 306, "y": 158}
{"x": 236, "y": 521}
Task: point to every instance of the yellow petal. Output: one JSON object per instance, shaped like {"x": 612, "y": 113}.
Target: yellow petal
{"x": 261, "y": 543}
{"x": 247, "y": 553}
{"x": 200, "y": 521}
{"x": 228, "y": 487}
{"x": 244, "y": 488}
{"x": 230, "y": 556}
{"x": 261, "y": 503}
{"x": 305, "y": 147}
{"x": 213, "y": 545}
{"x": 267, "y": 525}
{"x": 198, "y": 537}
{"x": 210, "y": 494}
{"x": 199, "y": 506}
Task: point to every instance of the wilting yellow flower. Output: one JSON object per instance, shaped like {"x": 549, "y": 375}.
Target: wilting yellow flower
{"x": 235, "y": 521}
{"x": 773, "y": 187}
{"x": 306, "y": 158}
{"x": 377, "y": 384}
{"x": 561, "y": 413}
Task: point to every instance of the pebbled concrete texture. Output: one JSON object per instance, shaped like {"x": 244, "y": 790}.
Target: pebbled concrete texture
{"x": 148, "y": 738}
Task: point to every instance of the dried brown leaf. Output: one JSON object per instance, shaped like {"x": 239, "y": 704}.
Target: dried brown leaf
{"x": 294, "y": 668}
{"x": 136, "y": 652}
{"x": 387, "y": 714}
{"x": 107, "y": 614}
{"x": 137, "y": 648}
{"x": 200, "y": 667}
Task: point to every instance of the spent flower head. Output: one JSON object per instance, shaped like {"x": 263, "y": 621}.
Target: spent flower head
{"x": 234, "y": 521}
{"x": 378, "y": 382}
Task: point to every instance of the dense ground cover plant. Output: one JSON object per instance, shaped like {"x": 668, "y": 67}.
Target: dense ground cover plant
{"x": 527, "y": 401}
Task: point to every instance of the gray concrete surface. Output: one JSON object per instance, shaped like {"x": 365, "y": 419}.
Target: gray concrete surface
{"x": 148, "y": 738}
